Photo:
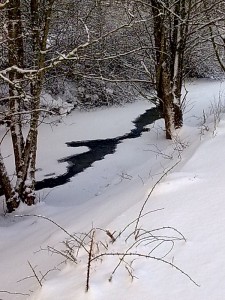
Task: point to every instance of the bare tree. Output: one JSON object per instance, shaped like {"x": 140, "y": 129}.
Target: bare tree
{"x": 214, "y": 12}
{"x": 24, "y": 85}
{"x": 32, "y": 53}
{"x": 168, "y": 33}
{"x": 143, "y": 42}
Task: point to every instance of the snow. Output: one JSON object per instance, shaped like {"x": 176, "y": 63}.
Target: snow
{"x": 110, "y": 194}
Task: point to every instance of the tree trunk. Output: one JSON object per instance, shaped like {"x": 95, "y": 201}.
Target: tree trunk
{"x": 15, "y": 58}
{"x": 169, "y": 53}
{"x": 168, "y": 108}
{"x": 12, "y": 201}
{"x": 24, "y": 149}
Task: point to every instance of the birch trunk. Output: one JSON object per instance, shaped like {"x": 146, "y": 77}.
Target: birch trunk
{"x": 15, "y": 58}
{"x": 24, "y": 149}
{"x": 26, "y": 180}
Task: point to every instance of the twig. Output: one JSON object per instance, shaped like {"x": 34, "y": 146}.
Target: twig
{"x": 7, "y": 131}
{"x": 130, "y": 272}
{"x": 128, "y": 225}
{"x": 169, "y": 227}
{"x": 46, "y": 273}
{"x": 110, "y": 234}
{"x": 77, "y": 239}
{"x": 89, "y": 261}
{"x": 150, "y": 257}
{"x": 141, "y": 179}
{"x": 13, "y": 293}
{"x": 62, "y": 253}
{"x": 35, "y": 274}
{"x": 161, "y": 228}
{"x": 150, "y": 193}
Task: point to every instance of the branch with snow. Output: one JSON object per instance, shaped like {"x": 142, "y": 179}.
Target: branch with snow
{"x": 4, "y": 4}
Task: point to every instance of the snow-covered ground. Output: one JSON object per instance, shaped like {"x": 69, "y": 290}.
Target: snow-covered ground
{"x": 181, "y": 237}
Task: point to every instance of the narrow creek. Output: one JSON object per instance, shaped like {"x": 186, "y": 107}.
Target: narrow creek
{"x": 98, "y": 149}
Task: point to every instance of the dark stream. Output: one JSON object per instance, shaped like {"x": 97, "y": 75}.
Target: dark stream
{"x": 98, "y": 149}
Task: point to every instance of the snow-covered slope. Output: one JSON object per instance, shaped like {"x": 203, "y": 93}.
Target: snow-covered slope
{"x": 188, "y": 203}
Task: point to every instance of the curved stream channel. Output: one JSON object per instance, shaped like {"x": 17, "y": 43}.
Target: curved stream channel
{"x": 98, "y": 149}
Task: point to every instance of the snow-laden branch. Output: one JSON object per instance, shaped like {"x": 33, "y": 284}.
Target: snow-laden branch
{"x": 112, "y": 56}
{"x": 97, "y": 77}
{"x": 163, "y": 5}
{"x": 3, "y": 5}
{"x": 13, "y": 84}
{"x": 28, "y": 112}
{"x": 18, "y": 70}
{"x": 212, "y": 23}
{"x": 86, "y": 29}
{"x": 74, "y": 54}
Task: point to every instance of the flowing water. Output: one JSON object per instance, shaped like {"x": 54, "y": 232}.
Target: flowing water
{"x": 98, "y": 149}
